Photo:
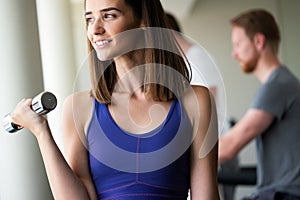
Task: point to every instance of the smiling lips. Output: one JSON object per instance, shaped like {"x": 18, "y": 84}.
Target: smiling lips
{"x": 102, "y": 43}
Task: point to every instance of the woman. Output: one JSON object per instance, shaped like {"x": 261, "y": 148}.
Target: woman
{"x": 140, "y": 132}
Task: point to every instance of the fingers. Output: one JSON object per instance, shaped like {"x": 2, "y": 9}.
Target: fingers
{"x": 24, "y": 116}
{"x": 23, "y": 106}
{"x": 22, "y": 109}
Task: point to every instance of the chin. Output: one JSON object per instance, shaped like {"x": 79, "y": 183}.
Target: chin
{"x": 103, "y": 56}
{"x": 248, "y": 68}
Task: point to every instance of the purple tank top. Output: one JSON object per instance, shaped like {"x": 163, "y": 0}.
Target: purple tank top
{"x": 149, "y": 166}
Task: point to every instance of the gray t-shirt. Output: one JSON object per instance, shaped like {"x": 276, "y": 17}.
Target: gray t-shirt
{"x": 278, "y": 148}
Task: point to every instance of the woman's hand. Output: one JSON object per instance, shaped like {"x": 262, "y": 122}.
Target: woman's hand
{"x": 24, "y": 116}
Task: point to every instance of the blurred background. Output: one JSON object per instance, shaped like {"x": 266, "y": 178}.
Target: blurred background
{"x": 43, "y": 47}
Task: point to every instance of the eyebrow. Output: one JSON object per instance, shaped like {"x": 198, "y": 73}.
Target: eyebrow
{"x": 104, "y": 10}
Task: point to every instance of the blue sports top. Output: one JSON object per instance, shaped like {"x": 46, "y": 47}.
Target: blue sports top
{"x": 149, "y": 166}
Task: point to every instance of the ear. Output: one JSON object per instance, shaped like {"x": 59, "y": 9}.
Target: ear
{"x": 259, "y": 41}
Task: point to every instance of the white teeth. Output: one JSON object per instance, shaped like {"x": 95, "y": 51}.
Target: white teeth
{"x": 103, "y": 42}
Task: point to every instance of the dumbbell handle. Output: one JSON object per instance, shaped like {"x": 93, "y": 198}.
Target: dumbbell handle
{"x": 41, "y": 104}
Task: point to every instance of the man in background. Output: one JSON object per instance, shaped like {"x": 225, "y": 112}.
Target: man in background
{"x": 274, "y": 116}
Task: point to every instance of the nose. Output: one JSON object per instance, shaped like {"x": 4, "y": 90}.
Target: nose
{"x": 234, "y": 54}
{"x": 97, "y": 28}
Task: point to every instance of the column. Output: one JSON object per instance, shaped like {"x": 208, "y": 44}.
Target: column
{"x": 22, "y": 173}
{"x": 56, "y": 41}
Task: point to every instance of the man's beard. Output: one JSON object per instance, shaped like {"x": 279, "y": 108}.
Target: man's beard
{"x": 250, "y": 65}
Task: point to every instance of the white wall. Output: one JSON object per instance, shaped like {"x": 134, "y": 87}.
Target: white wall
{"x": 289, "y": 15}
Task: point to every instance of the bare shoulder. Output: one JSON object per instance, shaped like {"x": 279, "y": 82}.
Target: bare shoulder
{"x": 78, "y": 107}
{"x": 199, "y": 92}
{"x": 196, "y": 100}
{"x": 78, "y": 102}
{"x": 83, "y": 97}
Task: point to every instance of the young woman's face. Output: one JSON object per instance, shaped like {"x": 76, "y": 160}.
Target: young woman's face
{"x": 105, "y": 19}
{"x": 244, "y": 50}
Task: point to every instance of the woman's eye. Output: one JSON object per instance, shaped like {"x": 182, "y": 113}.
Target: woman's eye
{"x": 89, "y": 19}
{"x": 108, "y": 16}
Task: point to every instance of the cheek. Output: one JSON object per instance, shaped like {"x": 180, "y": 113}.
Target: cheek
{"x": 246, "y": 51}
{"x": 88, "y": 34}
{"x": 120, "y": 28}
{"x": 250, "y": 52}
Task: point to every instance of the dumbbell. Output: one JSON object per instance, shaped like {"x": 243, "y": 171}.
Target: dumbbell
{"x": 42, "y": 104}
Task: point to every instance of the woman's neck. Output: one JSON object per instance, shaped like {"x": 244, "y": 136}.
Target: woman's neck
{"x": 130, "y": 71}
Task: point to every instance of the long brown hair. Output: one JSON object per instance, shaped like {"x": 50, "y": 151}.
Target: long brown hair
{"x": 104, "y": 78}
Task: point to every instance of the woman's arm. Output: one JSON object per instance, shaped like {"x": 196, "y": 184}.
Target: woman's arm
{"x": 65, "y": 184}
{"x": 204, "y": 149}
{"x": 77, "y": 111}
